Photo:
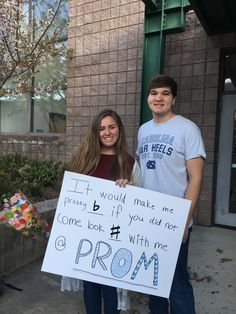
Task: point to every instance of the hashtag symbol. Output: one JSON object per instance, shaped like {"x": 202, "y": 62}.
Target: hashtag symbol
{"x": 115, "y": 231}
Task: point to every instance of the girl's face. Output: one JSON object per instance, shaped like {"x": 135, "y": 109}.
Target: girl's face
{"x": 108, "y": 135}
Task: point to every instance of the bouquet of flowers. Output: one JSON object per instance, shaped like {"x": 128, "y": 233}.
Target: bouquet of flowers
{"x": 18, "y": 213}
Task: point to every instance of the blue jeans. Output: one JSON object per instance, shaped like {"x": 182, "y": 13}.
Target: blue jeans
{"x": 93, "y": 294}
{"x": 181, "y": 300}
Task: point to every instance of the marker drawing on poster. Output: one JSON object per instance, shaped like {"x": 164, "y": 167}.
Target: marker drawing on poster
{"x": 124, "y": 237}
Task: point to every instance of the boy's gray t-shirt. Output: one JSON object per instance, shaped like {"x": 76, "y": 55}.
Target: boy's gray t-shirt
{"x": 163, "y": 149}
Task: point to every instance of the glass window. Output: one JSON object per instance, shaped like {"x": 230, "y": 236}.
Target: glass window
{"x": 49, "y": 112}
{"x": 43, "y": 108}
{"x": 13, "y": 114}
{"x": 49, "y": 100}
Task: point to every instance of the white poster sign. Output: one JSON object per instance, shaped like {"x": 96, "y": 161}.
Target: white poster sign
{"x": 124, "y": 237}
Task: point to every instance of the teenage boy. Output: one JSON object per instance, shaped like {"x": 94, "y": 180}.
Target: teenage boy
{"x": 171, "y": 154}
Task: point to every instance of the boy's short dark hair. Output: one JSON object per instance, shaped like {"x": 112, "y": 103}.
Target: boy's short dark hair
{"x": 163, "y": 80}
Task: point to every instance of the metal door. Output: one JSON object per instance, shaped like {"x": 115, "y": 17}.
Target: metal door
{"x": 225, "y": 210}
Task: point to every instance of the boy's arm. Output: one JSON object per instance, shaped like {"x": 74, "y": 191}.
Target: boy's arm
{"x": 195, "y": 168}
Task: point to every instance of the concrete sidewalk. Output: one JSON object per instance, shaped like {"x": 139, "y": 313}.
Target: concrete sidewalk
{"x": 212, "y": 266}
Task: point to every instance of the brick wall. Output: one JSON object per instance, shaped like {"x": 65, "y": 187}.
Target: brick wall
{"x": 106, "y": 71}
{"x": 34, "y": 146}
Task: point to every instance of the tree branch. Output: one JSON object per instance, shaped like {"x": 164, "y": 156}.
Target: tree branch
{"x": 47, "y": 28}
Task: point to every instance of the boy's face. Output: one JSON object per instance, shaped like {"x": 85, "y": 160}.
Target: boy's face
{"x": 160, "y": 101}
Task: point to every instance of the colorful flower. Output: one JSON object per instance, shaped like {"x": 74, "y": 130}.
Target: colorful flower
{"x": 24, "y": 205}
{"x": 13, "y": 199}
{"x": 21, "y": 215}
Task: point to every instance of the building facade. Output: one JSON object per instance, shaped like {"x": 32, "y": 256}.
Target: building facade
{"x": 106, "y": 72}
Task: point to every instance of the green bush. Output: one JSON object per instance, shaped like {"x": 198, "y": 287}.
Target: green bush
{"x": 33, "y": 177}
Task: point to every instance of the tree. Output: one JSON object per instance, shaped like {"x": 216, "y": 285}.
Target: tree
{"x": 31, "y": 34}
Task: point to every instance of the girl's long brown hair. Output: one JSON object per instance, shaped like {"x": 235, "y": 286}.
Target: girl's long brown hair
{"x": 88, "y": 155}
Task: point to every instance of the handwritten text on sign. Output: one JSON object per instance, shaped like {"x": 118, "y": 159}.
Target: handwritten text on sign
{"x": 123, "y": 237}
